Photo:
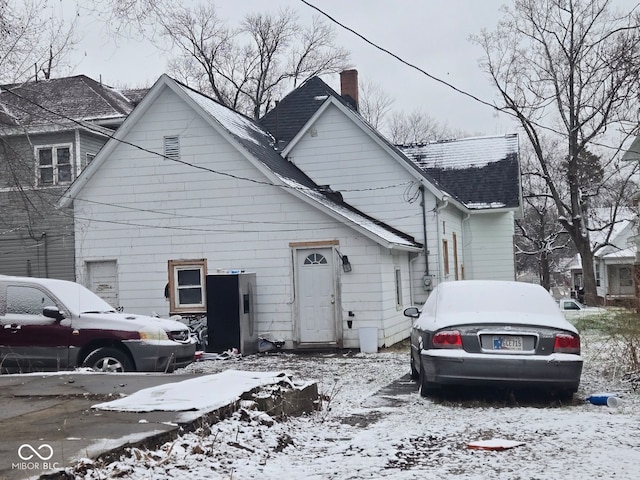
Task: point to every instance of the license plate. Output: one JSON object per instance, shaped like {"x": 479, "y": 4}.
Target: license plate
{"x": 507, "y": 343}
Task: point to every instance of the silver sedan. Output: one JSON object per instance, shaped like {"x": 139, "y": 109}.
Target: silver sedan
{"x": 494, "y": 333}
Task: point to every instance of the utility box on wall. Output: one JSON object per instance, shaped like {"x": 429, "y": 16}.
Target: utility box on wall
{"x": 230, "y": 312}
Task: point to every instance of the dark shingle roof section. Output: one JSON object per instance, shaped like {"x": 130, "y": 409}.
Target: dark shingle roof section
{"x": 58, "y": 100}
{"x": 294, "y": 111}
{"x": 481, "y": 172}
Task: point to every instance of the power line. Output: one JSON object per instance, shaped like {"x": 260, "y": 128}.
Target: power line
{"x": 400, "y": 59}
{"x": 91, "y": 127}
{"x": 223, "y": 220}
{"x": 443, "y": 82}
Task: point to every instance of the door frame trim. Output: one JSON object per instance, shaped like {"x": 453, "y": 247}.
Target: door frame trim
{"x": 297, "y": 247}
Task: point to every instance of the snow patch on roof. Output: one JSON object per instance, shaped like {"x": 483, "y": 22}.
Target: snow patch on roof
{"x": 236, "y": 123}
{"x": 484, "y": 206}
{"x": 473, "y": 152}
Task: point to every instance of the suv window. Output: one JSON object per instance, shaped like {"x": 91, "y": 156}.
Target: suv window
{"x": 26, "y": 300}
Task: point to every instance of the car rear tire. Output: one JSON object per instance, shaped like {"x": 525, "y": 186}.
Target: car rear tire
{"x": 108, "y": 359}
{"x": 415, "y": 374}
{"x": 426, "y": 387}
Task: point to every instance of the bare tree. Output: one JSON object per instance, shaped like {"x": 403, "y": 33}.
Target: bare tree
{"x": 34, "y": 40}
{"x": 567, "y": 68}
{"x": 417, "y": 127}
{"x": 541, "y": 242}
{"x": 246, "y": 68}
{"x": 373, "y": 103}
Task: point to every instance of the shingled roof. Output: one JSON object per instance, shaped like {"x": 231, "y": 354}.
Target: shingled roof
{"x": 481, "y": 172}
{"x": 55, "y": 101}
{"x": 294, "y": 111}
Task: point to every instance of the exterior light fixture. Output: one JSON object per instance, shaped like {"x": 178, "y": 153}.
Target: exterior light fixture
{"x": 346, "y": 266}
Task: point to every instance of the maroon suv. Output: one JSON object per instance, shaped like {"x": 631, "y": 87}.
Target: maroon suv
{"x": 51, "y": 325}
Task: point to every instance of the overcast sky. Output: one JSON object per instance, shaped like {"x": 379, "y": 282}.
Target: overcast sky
{"x": 432, "y": 34}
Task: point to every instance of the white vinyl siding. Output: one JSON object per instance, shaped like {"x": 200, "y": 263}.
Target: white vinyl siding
{"x": 145, "y": 211}
{"x": 488, "y": 247}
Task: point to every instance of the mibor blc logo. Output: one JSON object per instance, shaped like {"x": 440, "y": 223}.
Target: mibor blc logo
{"x": 35, "y": 457}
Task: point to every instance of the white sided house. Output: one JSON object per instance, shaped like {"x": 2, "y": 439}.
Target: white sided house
{"x": 187, "y": 187}
{"x": 459, "y": 198}
{"x": 330, "y": 217}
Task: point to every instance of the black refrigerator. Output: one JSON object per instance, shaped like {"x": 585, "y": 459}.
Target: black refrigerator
{"x": 231, "y": 321}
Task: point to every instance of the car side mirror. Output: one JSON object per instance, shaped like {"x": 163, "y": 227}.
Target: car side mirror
{"x": 412, "y": 312}
{"x": 53, "y": 312}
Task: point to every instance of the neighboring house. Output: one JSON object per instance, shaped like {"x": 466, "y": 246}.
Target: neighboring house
{"x": 49, "y": 131}
{"x": 614, "y": 261}
{"x": 329, "y": 216}
{"x": 633, "y": 155}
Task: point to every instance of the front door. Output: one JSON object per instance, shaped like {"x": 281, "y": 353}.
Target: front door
{"x": 316, "y": 296}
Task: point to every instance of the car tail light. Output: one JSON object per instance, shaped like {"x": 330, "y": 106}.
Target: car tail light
{"x": 566, "y": 343}
{"x": 447, "y": 339}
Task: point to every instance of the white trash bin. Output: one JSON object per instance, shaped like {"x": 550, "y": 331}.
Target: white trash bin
{"x": 368, "y": 339}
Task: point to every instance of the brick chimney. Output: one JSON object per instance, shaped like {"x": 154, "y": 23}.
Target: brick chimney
{"x": 349, "y": 87}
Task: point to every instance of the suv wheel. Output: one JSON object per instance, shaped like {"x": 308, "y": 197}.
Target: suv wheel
{"x": 108, "y": 359}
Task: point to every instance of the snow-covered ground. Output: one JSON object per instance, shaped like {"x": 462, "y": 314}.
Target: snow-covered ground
{"x": 358, "y": 436}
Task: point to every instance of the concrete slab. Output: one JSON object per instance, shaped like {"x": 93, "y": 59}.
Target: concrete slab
{"x": 47, "y": 420}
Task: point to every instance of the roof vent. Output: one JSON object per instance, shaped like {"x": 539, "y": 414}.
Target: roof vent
{"x": 172, "y": 147}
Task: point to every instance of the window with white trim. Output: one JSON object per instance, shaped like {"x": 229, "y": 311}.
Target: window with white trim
{"x": 187, "y": 286}
{"x": 54, "y": 165}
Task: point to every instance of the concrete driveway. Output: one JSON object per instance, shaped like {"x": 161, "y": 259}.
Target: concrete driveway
{"x": 48, "y": 421}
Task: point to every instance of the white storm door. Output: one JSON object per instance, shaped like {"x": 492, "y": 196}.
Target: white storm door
{"x": 103, "y": 280}
{"x": 316, "y": 296}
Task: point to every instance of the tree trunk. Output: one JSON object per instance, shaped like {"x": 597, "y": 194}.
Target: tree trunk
{"x": 545, "y": 271}
{"x": 588, "y": 274}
